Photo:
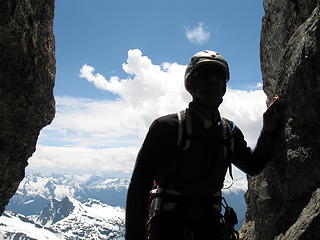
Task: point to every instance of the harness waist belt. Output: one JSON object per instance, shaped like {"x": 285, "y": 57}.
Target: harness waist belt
{"x": 166, "y": 199}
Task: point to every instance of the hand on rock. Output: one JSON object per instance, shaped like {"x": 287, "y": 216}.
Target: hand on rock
{"x": 271, "y": 116}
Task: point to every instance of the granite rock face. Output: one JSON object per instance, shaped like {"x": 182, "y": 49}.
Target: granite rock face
{"x": 27, "y": 73}
{"x": 283, "y": 201}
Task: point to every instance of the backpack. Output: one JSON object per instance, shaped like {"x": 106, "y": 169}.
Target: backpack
{"x": 228, "y": 128}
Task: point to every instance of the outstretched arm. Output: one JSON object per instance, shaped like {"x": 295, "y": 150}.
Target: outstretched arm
{"x": 253, "y": 162}
{"x": 271, "y": 116}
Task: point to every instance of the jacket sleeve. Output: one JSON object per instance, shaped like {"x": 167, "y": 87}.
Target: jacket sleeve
{"x": 252, "y": 162}
{"x": 141, "y": 184}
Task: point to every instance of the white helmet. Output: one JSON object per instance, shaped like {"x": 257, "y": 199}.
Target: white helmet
{"x": 202, "y": 58}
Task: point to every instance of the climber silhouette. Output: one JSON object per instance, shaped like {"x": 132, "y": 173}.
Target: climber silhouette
{"x": 185, "y": 157}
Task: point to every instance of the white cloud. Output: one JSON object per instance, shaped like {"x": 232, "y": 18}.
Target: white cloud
{"x": 198, "y": 34}
{"x": 106, "y": 134}
{"x": 90, "y": 122}
{"x": 259, "y": 85}
{"x": 83, "y": 159}
{"x": 150, "y": 89}
{"x": 245, "y": 108}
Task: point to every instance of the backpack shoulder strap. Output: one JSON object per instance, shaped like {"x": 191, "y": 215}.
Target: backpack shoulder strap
{"x": 184, "y": 116}
{"x": 228, "y": 148}
{"x": 181, "y": 145}
{"x": 181, "y": 118}
{"x": 228, "y": 129}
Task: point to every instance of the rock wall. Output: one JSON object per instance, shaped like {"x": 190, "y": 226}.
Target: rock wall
{"x": 27, "y": 72}
{"x": 284, "y": 200}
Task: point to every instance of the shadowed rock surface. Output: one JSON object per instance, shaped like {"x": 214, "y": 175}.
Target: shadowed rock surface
{"x": 27, "y": 72}
{"x": 284, "y": 200}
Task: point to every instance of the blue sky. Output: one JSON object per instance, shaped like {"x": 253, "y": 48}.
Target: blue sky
{"x": 100, "y": 33}
{"x": 120, "y": 64}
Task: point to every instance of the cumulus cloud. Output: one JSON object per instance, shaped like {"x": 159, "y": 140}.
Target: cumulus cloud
{"x": 245, "y": 108}
{"x": 106, "y": 134}
{"x": 149, "y": 89}
{"x": 198, "y": 34}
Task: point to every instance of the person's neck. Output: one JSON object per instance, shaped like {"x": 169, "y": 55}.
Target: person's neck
{"x": 207, "y": 112}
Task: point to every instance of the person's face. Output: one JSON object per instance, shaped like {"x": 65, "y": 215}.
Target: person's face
{"x": 210, "y": 85}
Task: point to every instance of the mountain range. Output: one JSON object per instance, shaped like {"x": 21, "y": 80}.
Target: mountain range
{"x": 78, "y": 207}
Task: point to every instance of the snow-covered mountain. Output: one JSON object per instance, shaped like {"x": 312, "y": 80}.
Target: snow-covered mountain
{"x": 79, "y": 207}
{"x": 35, "y": 191}
{"x": 66, "y": 219}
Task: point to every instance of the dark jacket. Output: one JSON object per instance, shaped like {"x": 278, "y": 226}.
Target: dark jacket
{"x": 202, "y": 167}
